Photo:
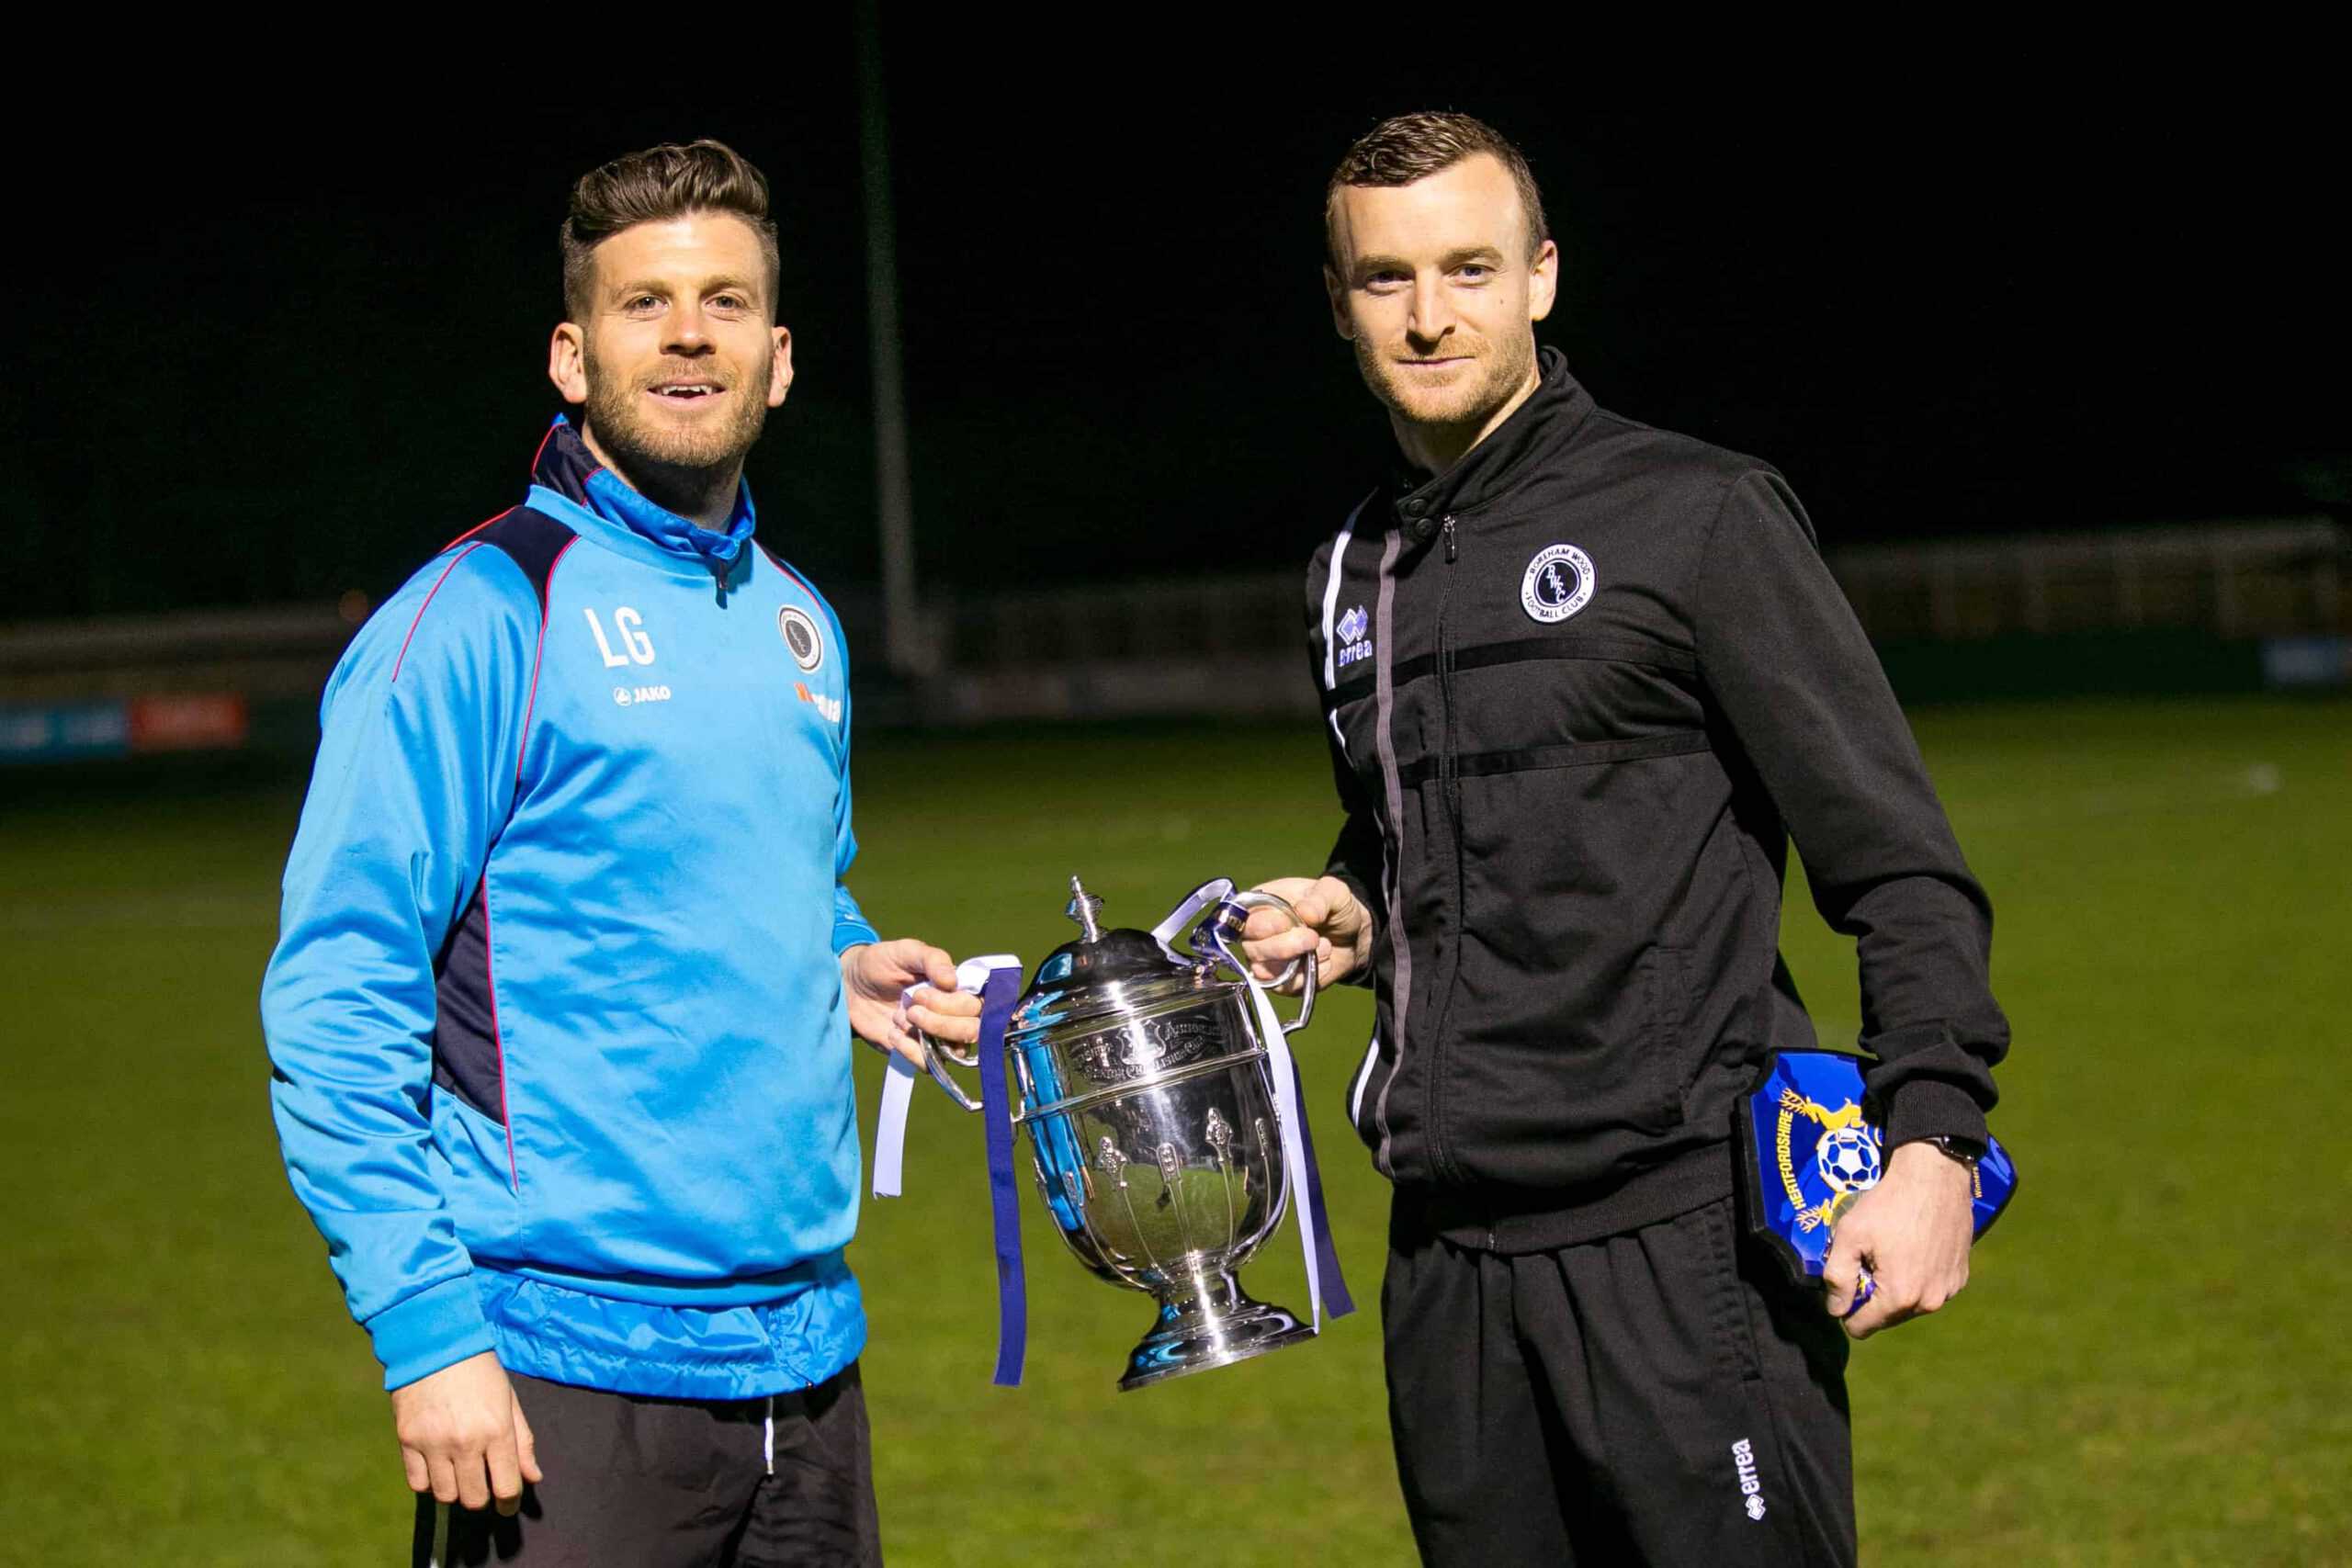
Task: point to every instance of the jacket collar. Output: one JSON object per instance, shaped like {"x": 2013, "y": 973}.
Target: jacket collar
{"x": 1505, "y": 459}
{"x": 565, "y": 471}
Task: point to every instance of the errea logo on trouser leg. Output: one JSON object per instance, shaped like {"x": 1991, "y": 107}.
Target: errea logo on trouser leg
{"x": 1742, "y": 1454}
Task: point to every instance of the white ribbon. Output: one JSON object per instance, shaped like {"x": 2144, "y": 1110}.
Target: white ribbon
{"x": 898, "y": 1083}
{"x": 890, "y": 1127}
{"x": 1278, "y": 1068}
{"x": 1167, "y": 931}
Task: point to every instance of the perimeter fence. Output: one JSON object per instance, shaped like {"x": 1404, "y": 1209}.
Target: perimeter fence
{"x": 2238, "y": 605}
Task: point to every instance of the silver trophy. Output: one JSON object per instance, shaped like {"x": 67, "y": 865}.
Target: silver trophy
{"x": 1145, "y": 1091}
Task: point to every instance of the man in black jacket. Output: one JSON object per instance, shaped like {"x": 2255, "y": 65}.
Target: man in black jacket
{"x": 1583, "y": 680}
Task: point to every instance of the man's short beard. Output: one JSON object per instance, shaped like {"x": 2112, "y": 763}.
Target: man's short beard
{"x": 634, "y": 443}
{"x": 1504, "y": 373}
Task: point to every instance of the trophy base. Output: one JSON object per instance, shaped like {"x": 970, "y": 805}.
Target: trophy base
{"x": 1215, "y": 1325}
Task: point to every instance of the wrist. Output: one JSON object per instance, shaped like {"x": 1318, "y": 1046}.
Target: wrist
{"x": 1341, "y": 892}
{"x": 1350, "y": 913}
{"x": 437, "y": 1326}
{"x": 1959, "y": 1149}
{"x": 1935, "y": 1159}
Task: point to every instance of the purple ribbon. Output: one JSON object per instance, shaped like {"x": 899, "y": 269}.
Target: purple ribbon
{"x": 1327, "y": 1256}
{"x": 1004, "y": 988}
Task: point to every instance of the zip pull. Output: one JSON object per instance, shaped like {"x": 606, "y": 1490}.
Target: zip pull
{"x": 1449, "y": 541}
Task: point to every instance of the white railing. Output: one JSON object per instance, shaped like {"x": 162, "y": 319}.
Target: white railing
{"x": 2234, "y": 580}
{"x": 1236, "y": 645}
{"x": 279, "y": 650}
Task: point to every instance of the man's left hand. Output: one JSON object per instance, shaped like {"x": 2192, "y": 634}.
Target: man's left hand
{"x": 1912, "y": 1231}
{"x": 876, "y": 975}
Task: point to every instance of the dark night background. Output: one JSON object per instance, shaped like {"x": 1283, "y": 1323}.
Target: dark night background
{"x": 292, "y": 340}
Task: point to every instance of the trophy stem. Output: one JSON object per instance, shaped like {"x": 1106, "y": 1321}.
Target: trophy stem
{"x": 1206, "y": 1320}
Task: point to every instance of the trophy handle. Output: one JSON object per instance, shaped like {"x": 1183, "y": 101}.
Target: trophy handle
{"x": 1231, "y": 914}
{"x": 934, "y": 1049}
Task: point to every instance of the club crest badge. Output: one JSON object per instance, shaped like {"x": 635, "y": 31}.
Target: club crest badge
{"x": 1352, "y": 628}
{"x": 1811, "y": 1151}
{"x": 799, "y": 634}
{"x": 1846, "y": 1158}
{"x": 1558, "y": 583}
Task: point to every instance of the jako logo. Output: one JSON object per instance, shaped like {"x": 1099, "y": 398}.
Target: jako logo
{"x": 1742, "y": 1454}
{"x": 628, "y": 697}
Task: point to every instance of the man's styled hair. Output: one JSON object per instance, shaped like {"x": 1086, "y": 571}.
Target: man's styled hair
{"x": 653, "y": 186}
{"x": 1408, "y": 147}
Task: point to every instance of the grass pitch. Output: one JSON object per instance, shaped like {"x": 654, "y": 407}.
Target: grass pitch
{"x": 2150, "y": 1366}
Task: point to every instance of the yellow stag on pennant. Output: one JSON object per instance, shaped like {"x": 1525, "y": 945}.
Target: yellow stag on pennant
{"x": 1793, "y": 1105}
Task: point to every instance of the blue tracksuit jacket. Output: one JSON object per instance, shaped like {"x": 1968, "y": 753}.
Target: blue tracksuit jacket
{"x": 562, "y": 1058}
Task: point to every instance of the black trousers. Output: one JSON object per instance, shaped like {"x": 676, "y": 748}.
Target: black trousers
{"x": 1665, "y": 1396}
{"x": 678, "y": 1484}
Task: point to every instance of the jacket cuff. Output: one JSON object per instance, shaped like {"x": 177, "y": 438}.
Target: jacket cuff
{"x": 438, "y": 1326}
{"x": 1928, "y": 1107}
{"x": 849, "y": 934}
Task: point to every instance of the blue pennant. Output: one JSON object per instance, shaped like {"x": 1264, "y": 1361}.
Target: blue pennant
{"x": 1011, "y": 1291}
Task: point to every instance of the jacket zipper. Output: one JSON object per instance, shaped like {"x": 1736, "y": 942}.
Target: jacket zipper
{"x": 1446, "y": 772}
{"x": 1450, "y": 788}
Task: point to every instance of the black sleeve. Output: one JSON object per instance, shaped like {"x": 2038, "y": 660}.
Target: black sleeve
{"x": 1356, "y": 854}
{"x": 1789, "y": 668}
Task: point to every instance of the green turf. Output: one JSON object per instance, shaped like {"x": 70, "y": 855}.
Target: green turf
{"x": 2150, "y": 1367}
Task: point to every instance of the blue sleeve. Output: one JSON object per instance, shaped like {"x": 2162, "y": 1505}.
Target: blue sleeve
{"x": 850, "y": 925}
{"x": 414, "y": 777}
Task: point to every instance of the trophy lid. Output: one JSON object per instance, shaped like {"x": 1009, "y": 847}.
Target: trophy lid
{"x": 1104, "y": 971}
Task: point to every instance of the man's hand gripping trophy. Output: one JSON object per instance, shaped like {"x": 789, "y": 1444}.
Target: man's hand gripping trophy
{"x": 1331, "y": 922}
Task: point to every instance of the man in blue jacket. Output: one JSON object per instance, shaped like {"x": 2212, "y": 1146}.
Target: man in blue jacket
{"x": 560, "y": 1006}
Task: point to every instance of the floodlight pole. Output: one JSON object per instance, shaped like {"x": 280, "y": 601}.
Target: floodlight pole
{"x": 903, "y": 640}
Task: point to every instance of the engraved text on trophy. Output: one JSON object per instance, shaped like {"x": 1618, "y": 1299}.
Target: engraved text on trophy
{"x": 1144, "y": 1047}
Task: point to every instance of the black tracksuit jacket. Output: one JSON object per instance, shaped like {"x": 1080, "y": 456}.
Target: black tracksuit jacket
{"x": 1570, "y": 778}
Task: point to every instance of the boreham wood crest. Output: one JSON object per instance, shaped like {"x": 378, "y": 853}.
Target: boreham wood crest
{"x": 1558, "y": 583}
{"x": 799, "y": 633}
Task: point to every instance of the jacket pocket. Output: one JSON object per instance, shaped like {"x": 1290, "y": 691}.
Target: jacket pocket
{"x": 1662, "y": 976}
